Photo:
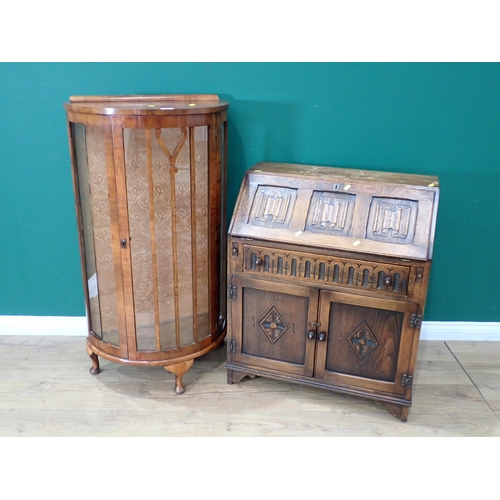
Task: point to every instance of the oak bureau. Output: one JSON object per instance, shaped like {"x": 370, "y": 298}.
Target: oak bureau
{"x": 328, "y": 272}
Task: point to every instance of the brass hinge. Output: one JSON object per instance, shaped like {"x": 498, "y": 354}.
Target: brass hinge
{"x": 416, "y": 321}
{"x": 234, "y": 250}
{"x": 231, "y": 291}
{"x": 231, "y": 346}
{"x": 314, "y": 324}
{"x": 406, "y": 380}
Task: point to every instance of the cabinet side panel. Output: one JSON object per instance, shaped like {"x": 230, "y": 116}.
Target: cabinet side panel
{"x": 96, "y": 225}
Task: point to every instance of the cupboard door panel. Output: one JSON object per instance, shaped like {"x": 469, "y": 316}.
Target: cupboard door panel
{"x": 270, "y": 326}
{"x": 367, "y": 344}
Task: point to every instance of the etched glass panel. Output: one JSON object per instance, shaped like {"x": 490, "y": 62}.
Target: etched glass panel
{"x": 96, "y": 225}
{"x": 138, "y": 197}
{"x": 168, "y": 216}
{"x": 200, "y": 257}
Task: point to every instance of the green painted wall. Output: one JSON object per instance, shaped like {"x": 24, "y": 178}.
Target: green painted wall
{"x": 435, "y": 118}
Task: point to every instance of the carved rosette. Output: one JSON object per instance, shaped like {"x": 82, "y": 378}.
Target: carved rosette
{"x": 273, "y": 325}
{"x": 362, "y": 340}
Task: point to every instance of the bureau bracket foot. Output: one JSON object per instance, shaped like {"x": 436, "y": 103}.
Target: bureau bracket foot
{"x": 398, "y": 411}
{"x": 233, "y": 376}
{"x": 179, "y": 370}
{"x": 94, "y": 369}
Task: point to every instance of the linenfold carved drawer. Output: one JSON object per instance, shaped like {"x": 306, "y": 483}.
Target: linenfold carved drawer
{"x": 341, "y": 271}
{"x": 328, "y": 272}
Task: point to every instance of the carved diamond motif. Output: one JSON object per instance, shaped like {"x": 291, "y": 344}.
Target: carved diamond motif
{"x": 273, "y": 325}
{"x": 362, "y": 340}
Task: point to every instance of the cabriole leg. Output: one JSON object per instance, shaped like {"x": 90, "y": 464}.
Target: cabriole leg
{"x": 179, "y": 369}
{"x": 95, "y": 369}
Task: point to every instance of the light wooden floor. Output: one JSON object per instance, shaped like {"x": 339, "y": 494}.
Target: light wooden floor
{"x": 46, "y": 390}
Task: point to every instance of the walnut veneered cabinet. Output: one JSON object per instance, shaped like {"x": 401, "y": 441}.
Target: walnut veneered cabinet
{"x": 327, "y": 278}
{"x": 149, "y": 178}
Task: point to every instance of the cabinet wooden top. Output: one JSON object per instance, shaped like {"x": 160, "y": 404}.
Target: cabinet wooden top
{"x": 149, "y": 105}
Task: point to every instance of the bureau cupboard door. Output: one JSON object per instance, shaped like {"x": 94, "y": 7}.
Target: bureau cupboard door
{"x": 270, "y": 325}
{"x": 366, "y": 345}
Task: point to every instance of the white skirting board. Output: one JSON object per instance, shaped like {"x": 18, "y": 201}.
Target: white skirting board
{"x": 77, "y": 326}
{"x": 43, "y": 325}
{"x": 459, "y": 330}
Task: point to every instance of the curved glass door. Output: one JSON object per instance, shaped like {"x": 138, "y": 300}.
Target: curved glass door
{"x": 167, "y": 194}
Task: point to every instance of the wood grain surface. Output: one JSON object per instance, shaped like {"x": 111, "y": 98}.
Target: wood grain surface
{"x": 47, "y": 390}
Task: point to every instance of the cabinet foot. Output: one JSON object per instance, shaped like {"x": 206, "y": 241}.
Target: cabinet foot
{"x": 398, "y": 411}
{"x": 94, "y": 369}
{"x": 179, "y": 370}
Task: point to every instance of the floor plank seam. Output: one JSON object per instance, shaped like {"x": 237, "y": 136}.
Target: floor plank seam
{"x": 472, "y": 381}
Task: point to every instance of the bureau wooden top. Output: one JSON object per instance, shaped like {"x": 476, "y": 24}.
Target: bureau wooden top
{"x": 336, "y": 174}
{"x": 382, "y": 213}
{"x": 148, "y": 105}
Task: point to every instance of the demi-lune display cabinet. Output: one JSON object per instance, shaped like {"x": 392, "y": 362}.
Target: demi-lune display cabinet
{"x": 149, "y": 179}
{"x": 327, "y": 278}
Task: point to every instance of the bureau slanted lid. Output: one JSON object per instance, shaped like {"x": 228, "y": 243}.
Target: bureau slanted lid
{"x": 382, "y": 213}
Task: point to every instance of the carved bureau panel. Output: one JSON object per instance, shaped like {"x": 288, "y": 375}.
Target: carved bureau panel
{"x": 273, "y": 207}
{"x": 330, "y": 213}
{"x": 392, "y": 220}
